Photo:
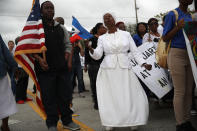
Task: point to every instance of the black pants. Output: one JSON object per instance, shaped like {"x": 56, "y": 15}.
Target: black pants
{"x": 21, "y": 85}
{"x": 146, "y": 89}
{"x": 56, "y": 96}
{"x": 93, "y": 71}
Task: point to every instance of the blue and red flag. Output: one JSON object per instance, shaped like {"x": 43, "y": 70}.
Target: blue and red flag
{"x": 79, "y": 31}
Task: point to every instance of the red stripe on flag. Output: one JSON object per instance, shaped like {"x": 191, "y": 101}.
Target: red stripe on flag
{"x": 30, "y": 58}
{"x": 26, "y": 64}
{"x": 32, "y": 36}
{"x": 29, "y": 46}
{"x": 32, "y": 27}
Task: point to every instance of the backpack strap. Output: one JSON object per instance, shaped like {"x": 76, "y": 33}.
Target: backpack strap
{"x": 176, "y": 23}
{"x": 176, "y": 16}
{"x": 192, "y": 15}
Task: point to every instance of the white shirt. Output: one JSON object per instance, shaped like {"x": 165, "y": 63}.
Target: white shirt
{"x": 115, "y": 47}
{"x": 160, "y": 29}
{"x": 148, "y": 36}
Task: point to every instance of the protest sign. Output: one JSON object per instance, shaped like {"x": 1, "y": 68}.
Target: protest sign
{"x": 157, "y": 78}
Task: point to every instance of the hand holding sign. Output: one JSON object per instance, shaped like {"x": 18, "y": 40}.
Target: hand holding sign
{"x": 153, "y": 75}
{"x": 147, "y": 66}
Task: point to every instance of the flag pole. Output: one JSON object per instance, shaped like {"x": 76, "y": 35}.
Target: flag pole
{"x": 33, "y": 4}
{"x": 136, "y": 8}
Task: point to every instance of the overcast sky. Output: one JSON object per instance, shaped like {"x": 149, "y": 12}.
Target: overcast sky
{"x": 13, "y": 13}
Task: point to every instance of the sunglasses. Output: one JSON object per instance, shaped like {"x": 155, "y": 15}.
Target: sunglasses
{"x": 154, "y": 23}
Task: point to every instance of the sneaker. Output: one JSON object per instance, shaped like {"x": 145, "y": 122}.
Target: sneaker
{"x": 72, "y": 126}
{"x": 53, "y": 128}
{"x": 28, "y": 99}
{"x": 20, "y": 102}
{"x": 193, "y": 112}
{"x": 189, "y": 126}
{"x": 181, "y": 127}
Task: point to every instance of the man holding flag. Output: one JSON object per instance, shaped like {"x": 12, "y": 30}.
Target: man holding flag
{"x": 53, "y": 85}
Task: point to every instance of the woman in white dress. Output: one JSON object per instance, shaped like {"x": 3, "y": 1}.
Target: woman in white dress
{"x": 121, "y": 99}
{"x": 7, "y": 101}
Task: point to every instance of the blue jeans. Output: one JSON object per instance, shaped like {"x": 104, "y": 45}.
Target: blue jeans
{"x": 78, "y": 72}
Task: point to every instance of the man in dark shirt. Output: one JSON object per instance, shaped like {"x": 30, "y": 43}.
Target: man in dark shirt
{"x": 77, "y": 68}
{"x": 55, "y": 85}
{"x": 94, "y": 65}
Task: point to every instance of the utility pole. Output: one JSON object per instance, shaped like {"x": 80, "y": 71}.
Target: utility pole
{"x": 136, "y": 12}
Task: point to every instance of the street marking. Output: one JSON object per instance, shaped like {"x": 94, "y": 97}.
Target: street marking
{"x": 11, "y": 122}
{"x": 59, "y": 125}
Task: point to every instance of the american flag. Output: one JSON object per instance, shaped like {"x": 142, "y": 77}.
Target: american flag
{"x": 32, "y": 40}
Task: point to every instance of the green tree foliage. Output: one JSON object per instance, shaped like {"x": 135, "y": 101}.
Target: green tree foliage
{"x": 160, "y": 16}
{"x": 131, "y": 28}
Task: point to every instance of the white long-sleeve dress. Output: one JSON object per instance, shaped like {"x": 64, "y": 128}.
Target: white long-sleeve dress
{"x": 7, "y": 100}
{"x": 121, "y": 99}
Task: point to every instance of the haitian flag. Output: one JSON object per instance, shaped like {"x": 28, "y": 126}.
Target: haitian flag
{"x": 79, "y": 32}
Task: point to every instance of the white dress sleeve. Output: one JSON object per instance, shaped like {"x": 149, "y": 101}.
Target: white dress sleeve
{"x": 98, "y": 52}
{"x": 135, "y": 52}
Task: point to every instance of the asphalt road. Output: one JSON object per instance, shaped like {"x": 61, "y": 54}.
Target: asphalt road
{"x": 161, "y": 117}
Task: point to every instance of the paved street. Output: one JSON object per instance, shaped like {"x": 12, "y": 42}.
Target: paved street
{"x": 161, "y": 118}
